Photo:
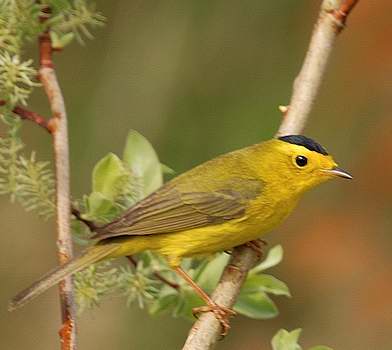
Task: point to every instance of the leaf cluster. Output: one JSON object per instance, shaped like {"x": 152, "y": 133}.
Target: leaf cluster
{"x": 26, "y": 180}
{"x": 285, "y": 340}
{"x": 16, "y": 79}
{"x": 21, "y": 22}
{"x": 72, "y": 19}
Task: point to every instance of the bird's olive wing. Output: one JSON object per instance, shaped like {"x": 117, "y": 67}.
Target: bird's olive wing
{"x": 169, "y": 210}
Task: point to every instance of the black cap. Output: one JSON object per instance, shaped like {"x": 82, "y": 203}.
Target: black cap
{"x": 305, "y": 142}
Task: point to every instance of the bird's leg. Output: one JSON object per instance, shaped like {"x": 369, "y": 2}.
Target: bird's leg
{"x": 257, "y": 246}
{"x": 221, "y": 313}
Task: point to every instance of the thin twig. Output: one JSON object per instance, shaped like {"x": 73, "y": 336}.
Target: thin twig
{"x": 47, "y": 76}
{"x": 77, "y": 214}
{"x": 307, "y": 83}
{"x": 344, "y": 10}
{"x": 206, "y": 330}
{"x": 163, "y": 279}
{"x": 26, "y": 114}
{"x": 157, "y": 275}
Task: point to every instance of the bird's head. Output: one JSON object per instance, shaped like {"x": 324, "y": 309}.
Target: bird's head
{"x": 303, "y": 163}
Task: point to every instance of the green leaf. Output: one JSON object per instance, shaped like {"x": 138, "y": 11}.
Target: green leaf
{"x": 167, "y": 170}
{"x": 274, "y": 257}
{"x": 98, "y": 207}
{"x": 60, "y": 5}
{"x": 163, "y": 303}
{"x": 109, "y": 175}
{"x": 284, "y": 340}
{"x": 256, "y": 305}
{"x": 59, "y": 41}
{"x": 265, "y": 283}
{"x": 141, "y": 158}
{"x": 209, "y": 276}
{"x": 188, "y": 300}
{"x": 80, "y": 233}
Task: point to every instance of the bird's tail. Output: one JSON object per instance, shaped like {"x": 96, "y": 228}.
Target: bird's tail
{"x": 90, "y": 256}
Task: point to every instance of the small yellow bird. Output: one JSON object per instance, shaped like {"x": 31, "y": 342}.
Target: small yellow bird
{"x": 225, "y": 202}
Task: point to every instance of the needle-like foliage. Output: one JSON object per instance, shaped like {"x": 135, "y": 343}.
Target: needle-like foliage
{"x": 16, "y": 78}
{"x": 18, "y": 24}
{"x": 10, "y": 147}
{"x": 36, "y": 186}
{"x": 26, "y": 180}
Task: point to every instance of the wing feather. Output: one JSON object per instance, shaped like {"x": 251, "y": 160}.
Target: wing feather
{"x": 169, "y": 210}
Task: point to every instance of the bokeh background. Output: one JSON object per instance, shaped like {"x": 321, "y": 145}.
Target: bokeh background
{"x": 200, "y": 78}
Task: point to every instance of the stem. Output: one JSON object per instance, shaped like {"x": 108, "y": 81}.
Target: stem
{"x": 58, "y": 126}
{"x": 157, "y": 275}
{"x": 331, "y": 21}
{"x": 24, "y": 113}
{"x": 90, "y": 224}
{"x": 344, "y": 10}
{"x": 333, "y": 14}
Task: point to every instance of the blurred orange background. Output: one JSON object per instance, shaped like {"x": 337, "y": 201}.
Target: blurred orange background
{"x": 198, "y": 79}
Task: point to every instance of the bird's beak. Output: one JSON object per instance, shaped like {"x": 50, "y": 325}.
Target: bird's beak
{"x": 336, "y": 171}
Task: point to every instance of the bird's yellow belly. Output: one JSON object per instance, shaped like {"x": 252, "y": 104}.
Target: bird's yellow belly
{"x": 211, "y": 239}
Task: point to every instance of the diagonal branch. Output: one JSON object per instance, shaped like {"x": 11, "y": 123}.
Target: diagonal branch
{"x": 78, "y": 215}
{"x": 157, "y": 275}
{"x": 333, "y": 14}
{"x": 344, "y": 10}
{"x": 331, "y": 21}
{"x": 26, "y": 114}
{"x": 59, "y": 130}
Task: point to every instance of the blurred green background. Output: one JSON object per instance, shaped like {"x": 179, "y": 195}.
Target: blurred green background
{"x": 200, "y": 78}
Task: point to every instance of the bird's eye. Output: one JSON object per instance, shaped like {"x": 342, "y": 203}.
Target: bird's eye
{"x": 301, "y": 161}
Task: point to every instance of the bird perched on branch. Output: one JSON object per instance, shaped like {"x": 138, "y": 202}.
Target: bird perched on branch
{"x": 225, "y": 202}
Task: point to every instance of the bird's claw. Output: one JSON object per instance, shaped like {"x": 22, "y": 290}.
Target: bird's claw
{"x": 221, "y": 313}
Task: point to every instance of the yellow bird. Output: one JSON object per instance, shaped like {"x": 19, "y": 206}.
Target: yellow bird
{"x": 225, "y": 202}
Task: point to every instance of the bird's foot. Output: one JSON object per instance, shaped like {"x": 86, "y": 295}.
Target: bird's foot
{"x": 221, "y": 313}
{"x": 257, "y": 245}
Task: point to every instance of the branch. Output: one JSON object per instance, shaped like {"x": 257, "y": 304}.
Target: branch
{"x": 332, "y": 17}
{"x": 344, "y": 10}
{"x": 207, "y": 329}
{"x": 90, "y": 224}
{"x": 333, "y": 14}
{"x": 30, "y": 115}
{"x": 157, "y": 275}
{"x": 58, "y": 123}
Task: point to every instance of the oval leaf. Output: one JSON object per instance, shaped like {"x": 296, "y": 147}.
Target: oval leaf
{"x": 265, "y": 283}
{"x": 141, "y": 158}
{"x": 209, "y": 276}
{"x": 274, "y": 257}
{"x": 109, "y": 176}
{"x": 98, "y": 207}
{"x": 284, "y": 340}
{"x": 256, "y": 305}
